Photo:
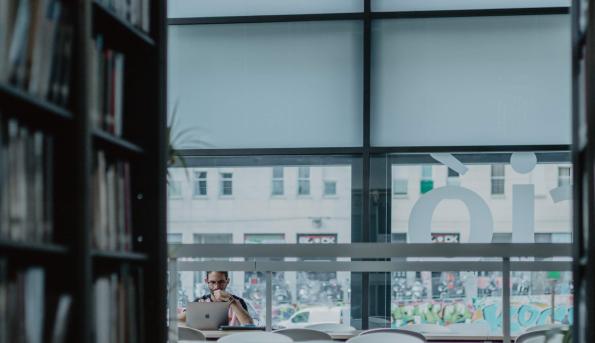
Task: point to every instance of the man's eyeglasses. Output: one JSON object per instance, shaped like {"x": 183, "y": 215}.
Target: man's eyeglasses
{"x": 220, "y": 282}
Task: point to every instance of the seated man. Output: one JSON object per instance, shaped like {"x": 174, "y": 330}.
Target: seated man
{"x": 217, "y": 283}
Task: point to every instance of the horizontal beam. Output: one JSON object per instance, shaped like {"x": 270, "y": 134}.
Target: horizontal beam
{"x": 255, "y": 19}
{"x": 371, "y": 250}
{"x": 264, "y": 18}
{"x": 371, "y": 266}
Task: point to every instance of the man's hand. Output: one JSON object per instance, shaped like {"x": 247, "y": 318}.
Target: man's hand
{"x": 221, "y": 295}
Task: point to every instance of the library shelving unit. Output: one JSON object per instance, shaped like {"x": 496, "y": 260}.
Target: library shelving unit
{"x": 82, "y": 171}
{"x": 583, "y": 103}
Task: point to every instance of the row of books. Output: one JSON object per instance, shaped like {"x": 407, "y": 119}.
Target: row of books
{"x": 107, "y": 88}
{"x": 112, "y": 213}
{"x": 119, "y": 311}
{"x": 36, "y": 40}
{"x": 137, "y": 12}
{"x": 26, "y": 184}
{"x": 22, "y": 308}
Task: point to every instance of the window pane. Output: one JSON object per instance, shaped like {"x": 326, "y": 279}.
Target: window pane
{"x": 498, "y": 82}
{"x": 431, "y": 5}
{"x": 451, "y": 213}
{"x": 461, "y": 301}
{"x": 497, "y": 170}
{"x": 400, "y": 187}
{"x": 330, "y": 188}
{"x": 252, "y": 216}
{"x": 216, "y": 8}
{"x": 277, "y": 187}
{"x": 531, "y": 299}
{"x": 497, "y": 186}
{"x": 303, "y": 172}
{"x": 277, "y": 172}
{"x": 311, "y": 73}
{"x": 303, "y": 187}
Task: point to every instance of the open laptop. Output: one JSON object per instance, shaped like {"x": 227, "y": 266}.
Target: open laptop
{"x": 206, "y": 315}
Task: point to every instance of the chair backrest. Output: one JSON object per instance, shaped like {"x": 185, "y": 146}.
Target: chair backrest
{"x": 190, "y": 334}
{"x": 548, "y": 327}
{"x": 386, "y": 337}
{"x": 398, "y": 331}
{"x": 330, "y": 327}
{"x": 301, "y": 335}
{"x": 541, "y": 336}
{"x": 255, "y": 337}
{"x": 475, "y": 328}
{"x": 427, "y": 328}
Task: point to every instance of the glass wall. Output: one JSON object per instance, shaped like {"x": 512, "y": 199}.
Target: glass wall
{"x": 306, "y": 124}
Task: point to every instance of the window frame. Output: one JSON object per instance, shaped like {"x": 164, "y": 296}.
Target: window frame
{"x": 222, "y": 181}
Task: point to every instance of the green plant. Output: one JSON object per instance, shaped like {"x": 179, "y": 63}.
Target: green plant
{"x": 179, "y": 138}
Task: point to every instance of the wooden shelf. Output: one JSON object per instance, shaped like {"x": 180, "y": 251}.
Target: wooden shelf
{"x": 114, "y": 143}
{"x": 17, "y": 102}
{"x": 119, "y": 256}
{"x": 35, "y": 248}
{"x": 117, "y": 31}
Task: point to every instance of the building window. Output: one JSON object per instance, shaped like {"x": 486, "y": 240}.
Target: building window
{"x": 426, "y": 184}
{"x": 226, "y": 184}
{"x": 497, "y": 178}
{"x": 174, "y": 189}
{"x": 564, "y": 176}
{"x": 277, "y": 187}
{"x": 304, "y": 181}
{"x": 199, "y": 188}
{"x": 453, "y": 178}
{"x": 400, "y": 187}
{"x": 330, "y": 188}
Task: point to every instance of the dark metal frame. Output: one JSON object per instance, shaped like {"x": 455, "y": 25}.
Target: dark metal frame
{"x": 365, "y": 153}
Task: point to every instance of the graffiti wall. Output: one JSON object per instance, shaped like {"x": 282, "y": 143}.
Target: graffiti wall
{"x": 525, "y": 312}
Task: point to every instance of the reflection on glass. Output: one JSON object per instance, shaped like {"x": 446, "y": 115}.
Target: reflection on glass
{"x": 497, "y": 188}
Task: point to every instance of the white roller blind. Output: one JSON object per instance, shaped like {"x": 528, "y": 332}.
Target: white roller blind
{"x": 219, "y": 8}
{"x": 432, "y": 5}
{"x": 471, "y": 81}
{"x": 274, "y": 85}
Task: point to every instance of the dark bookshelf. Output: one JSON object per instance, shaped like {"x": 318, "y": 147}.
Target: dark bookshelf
{"x": 118, "y": 145}
{"x": 20, "y": 103}
{"x": 118, "y": 31}
{"x": 70, "y": 262}
{"x": 121, "y": 256}
{"x": 33, "y": 248}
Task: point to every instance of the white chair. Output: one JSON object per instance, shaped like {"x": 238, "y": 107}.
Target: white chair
{"x": 474, "y": 329}
{"x": 190, "y": 334}
{"x": 563, "y": 327}
{"x": 402, "y": 332}
{"x": 542, "y": 336}
{"x": 330, "y": 327}
{"x": 255, "y": 337}
{"x": 301, "y": 335}
{"x": 427, "y": 328}
{"x": 386, "y": 337}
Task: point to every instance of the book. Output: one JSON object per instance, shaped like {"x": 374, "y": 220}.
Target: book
{"x": 26, "y": 183}
{"x": 112, "y": 212}
{"x": 61, "y": 319}
{"x": 36, "y": 47}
